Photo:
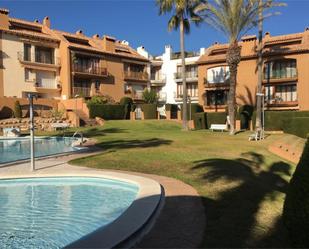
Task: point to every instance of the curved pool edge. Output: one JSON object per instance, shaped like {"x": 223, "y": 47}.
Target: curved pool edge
{"x": 129, "y": 223}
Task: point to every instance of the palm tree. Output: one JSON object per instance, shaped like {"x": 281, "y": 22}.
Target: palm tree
{"x": 183, "y": 14}
{"x": 234, "y": 18}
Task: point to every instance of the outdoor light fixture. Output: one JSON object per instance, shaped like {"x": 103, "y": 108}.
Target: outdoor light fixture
{"x": 32, "y": 152}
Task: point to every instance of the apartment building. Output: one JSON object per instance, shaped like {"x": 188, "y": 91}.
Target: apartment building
{"x": 285, "y": 73}
{"x": 166, "y": 78}
{"x": 57, "y": 64}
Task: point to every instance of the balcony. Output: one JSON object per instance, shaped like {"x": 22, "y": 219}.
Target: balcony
{"x": 81, "y": 91}
{"x": 158, "y": 79}
{"x": 137, "y": 95}
{"x": 37, "y": 62}
{"x": 273, "y": 79}
{"x": 162, "y": 96}
{"x": 86, "y": 71}
{"x": 190, "y": 76}
{"x": 178, "y": 97}
{"x": 139, "y": 76}
{"x": 217, "y": 85}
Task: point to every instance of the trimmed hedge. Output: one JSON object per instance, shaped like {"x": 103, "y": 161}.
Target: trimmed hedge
{"x": 127, "y": 102}
{"x": 195, "y": 108}
{"x": 296, "y": 126}
{"x": 200, "y": 120}
{"x": 149, "y": 110}
{"x": 296, "y": 204}
{"x": 107, "y": 112}
{"x": 274, "y": 120}
{"x": 215, "y": 118}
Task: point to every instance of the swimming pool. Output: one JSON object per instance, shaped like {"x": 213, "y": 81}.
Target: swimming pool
{"x": 53, "y": 212}
{"x": 19, "y": 149}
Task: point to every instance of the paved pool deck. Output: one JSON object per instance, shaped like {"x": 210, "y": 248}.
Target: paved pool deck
{"x": 180, "y": 223}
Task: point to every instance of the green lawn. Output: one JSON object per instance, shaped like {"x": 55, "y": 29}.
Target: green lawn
{"x": 241, "y": 183}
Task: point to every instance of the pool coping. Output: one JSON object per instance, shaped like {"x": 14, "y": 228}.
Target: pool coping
{"x": 130, "y": 222}
{"x": 88, "y": 146}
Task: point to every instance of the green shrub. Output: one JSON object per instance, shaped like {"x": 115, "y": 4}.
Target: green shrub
{"x": 296, "y": 204}
{"x": 17, "y": 110}
{"x": 200, "y": 120}
{"x": 108, "y": 112}
{"x": 215, "y": 118}
{"x": 195, "y": 108}
{"x": 296, "y": 126}
{"x": 149, "y": 110}
{"x": 274, "y": 119}
{"x": 103, "y": 99}
{"x": 150, "y": 96}
{"x": 127, "y": 102}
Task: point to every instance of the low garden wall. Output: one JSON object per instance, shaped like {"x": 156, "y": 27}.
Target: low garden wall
{"x": 42, "y": 107}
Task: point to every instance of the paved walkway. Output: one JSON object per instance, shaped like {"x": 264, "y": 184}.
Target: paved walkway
{"x": 180, "y": 223}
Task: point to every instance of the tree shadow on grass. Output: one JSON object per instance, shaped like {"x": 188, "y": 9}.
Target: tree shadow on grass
{"x": 93, "y": 132}
{"x": 231, "y": 218}
{"x": 136, "y": 143}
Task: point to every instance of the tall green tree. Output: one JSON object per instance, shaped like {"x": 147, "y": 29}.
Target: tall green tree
{"x": 183, "y": 14}
{"x": 234, "y": 18}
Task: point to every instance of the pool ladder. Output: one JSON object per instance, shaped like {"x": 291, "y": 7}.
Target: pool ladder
{"x": 76, "y": 133}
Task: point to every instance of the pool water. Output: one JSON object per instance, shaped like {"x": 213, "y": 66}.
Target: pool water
{"x": 54, "y": 212}
{"x": 18, "y": 149}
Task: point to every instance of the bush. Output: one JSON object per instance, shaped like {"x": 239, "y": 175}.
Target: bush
{"x": 296, "y": 204}
{"x": 150, "y": 96}
{"x": 103, "y": 99}
{"x": 215, "y": 118}
{"x": 195, "y": 108}
{"x": 17, "y": 110}
{"x": 149, "y": 110}
{"x": 200, "y": 120}
{"x": 127, "y": 102}
{"x": 108, "y": 112}
{"x": 296, "y": 126}
{"x": 274, "y": 119}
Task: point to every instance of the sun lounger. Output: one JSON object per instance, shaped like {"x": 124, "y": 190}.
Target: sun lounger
{"x": 11, "y": 132}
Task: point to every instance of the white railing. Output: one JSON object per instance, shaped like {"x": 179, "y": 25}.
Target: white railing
{"x": 138, "y": 95}
{"x": 47, "y": 83}
{"x": 162, "y": 96}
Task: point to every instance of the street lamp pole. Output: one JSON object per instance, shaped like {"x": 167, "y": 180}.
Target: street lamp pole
{"x": 32, "y": 151}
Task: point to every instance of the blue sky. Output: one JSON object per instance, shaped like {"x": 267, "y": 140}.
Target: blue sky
{"x": 137, "y": 21}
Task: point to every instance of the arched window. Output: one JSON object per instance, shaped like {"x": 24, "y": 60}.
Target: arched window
{"x": 280, "y": 69}
{"x": 218, "y": 75}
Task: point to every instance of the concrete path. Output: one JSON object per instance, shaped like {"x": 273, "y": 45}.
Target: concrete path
{"x": 181, "y": 222}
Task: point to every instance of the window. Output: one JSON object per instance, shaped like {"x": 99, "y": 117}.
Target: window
{"x": 192, "y": 90}
{"x": 44, "y": 55}
{"x": 217, "y": 75}
{"x": 281, "y": 93}
{"x": 216, "y": 97}
{"x": 28, "y": 74}
{"x": 191, "y": 71}
{"x": 280, "y": 69}
{"x": 27, "y": 52}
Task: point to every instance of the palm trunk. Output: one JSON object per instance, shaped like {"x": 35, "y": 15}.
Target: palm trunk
{"x": 258, "y": 122}
{"x": 183, "y": 73}
{"x": 232, "y": 59}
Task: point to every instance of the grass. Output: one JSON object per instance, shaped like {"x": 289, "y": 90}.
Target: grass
{"x": 241, "y": 183}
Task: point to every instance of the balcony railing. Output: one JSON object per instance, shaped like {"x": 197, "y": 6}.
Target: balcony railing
{"x": 137, "y": 95}
{"x": 94, "y": 70}
{"x": 179, "y": 96}
{"x": 136, "y": 75}
{"x": 208, "y": 84}
{"x": 189, "y": 75}
{"x": 47, "y": 83}
{"x": 162, "y": 96}
{"x": 32, "y": 58}
{"x": 158, "y": 78}
{"x": 81, "y": 91}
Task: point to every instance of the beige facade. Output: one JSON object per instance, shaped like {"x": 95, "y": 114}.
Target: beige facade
{"x": 61, "y": 65}
{"x": 285, "y": 73}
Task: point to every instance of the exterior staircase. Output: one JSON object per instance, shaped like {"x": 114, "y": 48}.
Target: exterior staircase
{"x": 85, "y": 120}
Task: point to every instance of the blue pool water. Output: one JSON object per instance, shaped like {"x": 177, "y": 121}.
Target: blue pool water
{"x": 19, "y": 149}
{"x": 54, "y": 212}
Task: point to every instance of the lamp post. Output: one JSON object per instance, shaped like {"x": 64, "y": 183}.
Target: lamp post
{"x": 32, "y": 151}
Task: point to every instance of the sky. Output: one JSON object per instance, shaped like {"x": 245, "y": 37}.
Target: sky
{"x": 138, "y": 22}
